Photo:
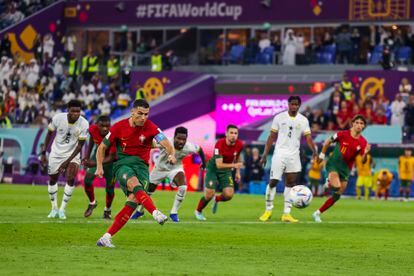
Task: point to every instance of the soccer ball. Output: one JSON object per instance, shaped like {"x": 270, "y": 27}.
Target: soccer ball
{"x": 300, "y": 196}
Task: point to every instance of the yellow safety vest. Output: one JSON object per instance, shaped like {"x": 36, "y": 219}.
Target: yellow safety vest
{"x": 346, "y": 89}
{"x": 84, "y": 63}
{"x": 156, "y": 63}
{"x": 93, "y": 65}
{"x": 112, "y": 67}
{"x": 73, "y": 67}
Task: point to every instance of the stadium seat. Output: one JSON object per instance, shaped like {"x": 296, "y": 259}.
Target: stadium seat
{"x": 235, "y": 55}
{"x": 403, "y": 55}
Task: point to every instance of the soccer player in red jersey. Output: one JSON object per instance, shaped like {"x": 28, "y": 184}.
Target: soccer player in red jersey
{"x": 133, "y": 138}
{"x": 219, "y": 171}
{"x": 97, "y": 133}
{"x": 349, "y": 143}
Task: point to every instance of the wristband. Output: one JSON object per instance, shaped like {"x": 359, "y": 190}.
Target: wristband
{"x": 321, "y": 155}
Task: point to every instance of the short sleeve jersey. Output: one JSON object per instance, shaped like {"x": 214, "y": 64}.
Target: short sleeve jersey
{"x": 349, "y": 146}
{"x": 133, "y": 141}
{"x": 67, "y": 135}
{"x": 162, "y": 163}
{"x": 98, "y": 138}
{"x": 289, "y": 130}
{"x": 229, "y": 153}
{"x": 406, "y": 167}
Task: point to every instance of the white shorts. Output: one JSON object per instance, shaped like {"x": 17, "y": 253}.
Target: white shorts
{"x": 55, "y": 162}
{"x": 284, "y": 164}
{"x": 157, "y": 176}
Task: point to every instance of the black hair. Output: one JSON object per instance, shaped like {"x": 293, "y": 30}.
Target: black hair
{"x": 180, "y": 130}
{"x": 74, "y": 103}
{"x": 231, "y": 126}
{"x": 359, "y": 117}
{"x": 141, "y": 103}
{"x": 103, "y": 118}
{"x": 292, "y": 98}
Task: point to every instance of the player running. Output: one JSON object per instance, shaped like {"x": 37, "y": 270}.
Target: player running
{"x": 349, "y": 143}
{"x": 288, "y": 128}
{"x": 133, "y": 138}
{"x": 97, "y": 133}
{"x": 175, "y": 172}
{"x": 71, "y": 133}
{"x": 219, "y": 171}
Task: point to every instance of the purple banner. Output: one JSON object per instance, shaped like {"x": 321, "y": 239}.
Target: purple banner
{"x": 23, "y": 34}
{"x": 156, "y": 84}
{"x": 184, "y": 12}
{"x": 243, "y": 110}
{"x": 378, "y": 83}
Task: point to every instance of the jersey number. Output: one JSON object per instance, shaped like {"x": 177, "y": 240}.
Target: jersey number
{"x": 67, "y": 138}
{"x": 124, "y": 146}
{"x": 343, "y": 150}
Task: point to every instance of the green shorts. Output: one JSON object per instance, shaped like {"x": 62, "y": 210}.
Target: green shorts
{"x": 108, "y": 173}
{"x": 218, "y": 179}
{"x": 128, "y": 167}
{"x": 405, "y": 183}
{"x": 337, "y": 164}
{"x": 314, "y": 182}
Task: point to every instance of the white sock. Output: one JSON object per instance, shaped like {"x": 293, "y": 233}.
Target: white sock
{"x": 179, "y": 197}
{"x": 52, "y": 189}
{"x": 107, "y": 209}
{"x": 93, "y": 202}
{"x": 66, "y": 196}
{"x": 270, "y": 197}
{"x": 317, "y": 212}
{"x": 287, "y": 205}
{"x": 107, "y": 236}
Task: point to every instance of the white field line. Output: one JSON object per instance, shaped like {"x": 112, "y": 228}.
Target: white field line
{"x": 69, "y": 221}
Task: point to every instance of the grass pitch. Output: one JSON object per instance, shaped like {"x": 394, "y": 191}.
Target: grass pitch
{"x": 356, "y": 237}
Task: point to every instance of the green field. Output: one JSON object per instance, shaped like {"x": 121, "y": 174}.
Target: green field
{"x": 356, "y": 237}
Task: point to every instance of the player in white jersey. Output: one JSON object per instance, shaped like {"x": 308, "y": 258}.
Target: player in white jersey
{"x": 71, "y": 132}
{"x": 288, "y": 128}
{"x": 175, "y": 172}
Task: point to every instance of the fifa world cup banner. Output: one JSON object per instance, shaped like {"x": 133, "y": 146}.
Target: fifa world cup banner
{"x": 152, "y": 85}
{"x": 378, "y": 83}
{"x": 242, "y": 110}
{"x": 184, "y": 12}
{"x": 47, "y": 21}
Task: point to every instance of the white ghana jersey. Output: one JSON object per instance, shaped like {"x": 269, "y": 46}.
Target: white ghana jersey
{"x": 289, "y": 130}
{"x": 162, "y": 164}
{"x": 67, "y": 135}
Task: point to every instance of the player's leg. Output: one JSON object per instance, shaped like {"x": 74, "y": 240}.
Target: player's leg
{"x": 52, "y": 188}
{"x": 210, "y": 185}
{"x": 407, "y": 190}
{"x": 335, "y": 184}
{"x": 367, "y": 187}
{"x": 359, "y": 184}
{"x": 155, "y": 177}
{"x": 89, "y": 190}
{"x": 290, "y": 181}
{"x": 386, "y": 192}
{"x": 276, "y": 170}
{"x": 120, "y": 220}
{"x": 402, "y": 188}
{"x": 71, "y": 173}
{"x": 179, "y": 181}
{"x": 109, "y": 191}
{"x": 226, "y": 184}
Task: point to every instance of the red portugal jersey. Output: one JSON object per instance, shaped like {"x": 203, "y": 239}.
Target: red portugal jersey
{"x": 133, "y": 141}
{"x": 230, "y": 154}
{"x": 98, "y": 138}
{"x": 349, "y": 146}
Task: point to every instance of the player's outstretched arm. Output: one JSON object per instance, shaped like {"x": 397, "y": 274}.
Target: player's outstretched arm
{"x": 312, "y": 146}
{"x": 169, "y": 149}
{"x": 221, "y": 165}
{"x": 48, "y": 139}
{"x": 270, "y": 140}
{"x": 203, "y": 157}
{"x": 324, "y": 149}
{"x": 100, "y": 155}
